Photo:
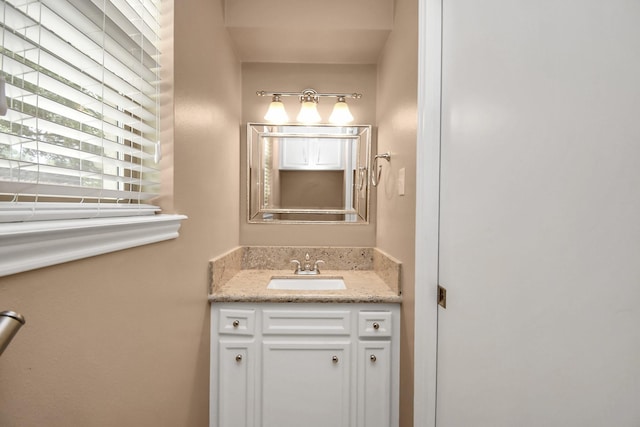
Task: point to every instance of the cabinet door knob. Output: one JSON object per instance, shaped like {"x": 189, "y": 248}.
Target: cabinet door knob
{"x": 236, "y": 323}
{"x": 376, "y": 325}
{"x": 238, "y": 358}
{"x": 373, "y": 358}
{"x": 334, "y": 359}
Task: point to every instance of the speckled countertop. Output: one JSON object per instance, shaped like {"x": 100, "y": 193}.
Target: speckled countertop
{"x": 251, "y": 286}
{"x": 242, "y": 275}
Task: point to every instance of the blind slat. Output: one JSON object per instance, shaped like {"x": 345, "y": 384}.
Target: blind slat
{"x": 54, "y": 131}
{"x": 42, "y": 173}
{"x": 22, "y": 211}
{"x": 29, "y": 188}
{"x": 35, "y": 151}
{"x": 74, "y": 151}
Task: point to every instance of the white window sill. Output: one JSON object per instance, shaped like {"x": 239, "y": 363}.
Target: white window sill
{"x": 29, "y": 245}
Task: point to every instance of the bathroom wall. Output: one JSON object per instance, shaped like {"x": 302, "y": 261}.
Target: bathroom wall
{"x": 397, "y": 121}
{"x": 123, "y": 339}
{"x": 293, "y": 78}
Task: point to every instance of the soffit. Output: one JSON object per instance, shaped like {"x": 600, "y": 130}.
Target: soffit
{"x": 309, "y": 31}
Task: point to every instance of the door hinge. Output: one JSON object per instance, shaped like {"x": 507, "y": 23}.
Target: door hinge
{"x": 442, "y": 297}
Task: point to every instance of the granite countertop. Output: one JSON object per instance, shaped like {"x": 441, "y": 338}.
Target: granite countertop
{"x": 242, "y": 275}
{"x": 251, "y": 286}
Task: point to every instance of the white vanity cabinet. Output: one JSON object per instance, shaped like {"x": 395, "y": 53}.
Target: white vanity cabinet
{"x": 302, "y": 364}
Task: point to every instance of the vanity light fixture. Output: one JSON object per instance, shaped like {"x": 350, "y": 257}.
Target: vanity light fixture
{"x": 309, "y": 99}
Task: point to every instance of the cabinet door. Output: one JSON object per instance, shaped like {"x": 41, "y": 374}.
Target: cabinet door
{"x": 235, "y": 406}
{"x": 328, "y": 154}
{"x": 295, "y": 154}
{"x": 374, "y": 384}
{"x": 305, "y": 384}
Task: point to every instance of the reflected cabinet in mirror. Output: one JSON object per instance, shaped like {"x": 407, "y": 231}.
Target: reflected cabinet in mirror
{"x": 308, "y": 173}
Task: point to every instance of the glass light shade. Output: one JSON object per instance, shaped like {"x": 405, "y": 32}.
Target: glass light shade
{"x": 341, "y": 114}
{"x": 276, "y": 113}
{"x": 309, "y": 113}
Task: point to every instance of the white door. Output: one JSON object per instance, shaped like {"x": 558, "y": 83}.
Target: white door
{"x": 540, "y": 214}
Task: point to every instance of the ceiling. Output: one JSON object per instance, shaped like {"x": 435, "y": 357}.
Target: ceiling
{"x": 309, "y": 31}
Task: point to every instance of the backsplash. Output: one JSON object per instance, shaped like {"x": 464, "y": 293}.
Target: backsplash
{"x": 388, "y": 268}
{"x": 279, "y": 257}
{"x": 224, "y": 267}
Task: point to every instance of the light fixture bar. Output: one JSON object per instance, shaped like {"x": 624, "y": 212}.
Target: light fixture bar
{"x": 332, "y": 95}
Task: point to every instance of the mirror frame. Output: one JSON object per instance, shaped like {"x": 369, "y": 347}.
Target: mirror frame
{"x": 256, "y": 214}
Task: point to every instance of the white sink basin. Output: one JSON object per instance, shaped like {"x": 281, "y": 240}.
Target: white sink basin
{"x": 306, "y": 283}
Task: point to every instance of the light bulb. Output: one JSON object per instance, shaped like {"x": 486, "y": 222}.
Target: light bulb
{"x": 341, "y": 114}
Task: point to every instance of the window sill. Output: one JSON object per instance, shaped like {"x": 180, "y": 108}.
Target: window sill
{"x": 29, "y": 245}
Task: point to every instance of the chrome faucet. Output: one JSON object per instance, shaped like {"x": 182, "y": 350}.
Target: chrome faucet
{"x": 306, "y": 269}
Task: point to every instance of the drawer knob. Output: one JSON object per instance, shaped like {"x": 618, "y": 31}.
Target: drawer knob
{"x": 238, "y": 358}
{"x": 334, "y": 359}
{"x": 373, "y": 358}
{"x": 236, "y": 323}
{"x": 376, "y": 325}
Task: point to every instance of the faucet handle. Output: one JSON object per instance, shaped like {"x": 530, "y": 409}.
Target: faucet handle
{"x": 298, "y": 265}
{"x": 316, "y": 266}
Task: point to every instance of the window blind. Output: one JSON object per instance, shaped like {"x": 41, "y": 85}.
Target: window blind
{"x": 79, "y": 138}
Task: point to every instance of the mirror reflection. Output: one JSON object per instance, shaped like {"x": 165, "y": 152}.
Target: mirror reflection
{"x": 302, "y": 173}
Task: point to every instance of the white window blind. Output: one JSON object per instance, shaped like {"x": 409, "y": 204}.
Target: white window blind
{"x": 79, "y": 137}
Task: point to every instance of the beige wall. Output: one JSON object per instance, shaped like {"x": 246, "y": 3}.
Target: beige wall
{"x": 293, "y": 78}
{"x": 397, "y": 125}
{"x": 123, "y": 339}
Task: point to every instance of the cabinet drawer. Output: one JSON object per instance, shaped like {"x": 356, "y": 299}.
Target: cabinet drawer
{"x": 373, "y": 324}
{"x": 294, "y": 322}
{"x": 237, "y": 322}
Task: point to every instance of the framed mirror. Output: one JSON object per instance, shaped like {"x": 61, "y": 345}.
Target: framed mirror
{"x": 308, "y": 173}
